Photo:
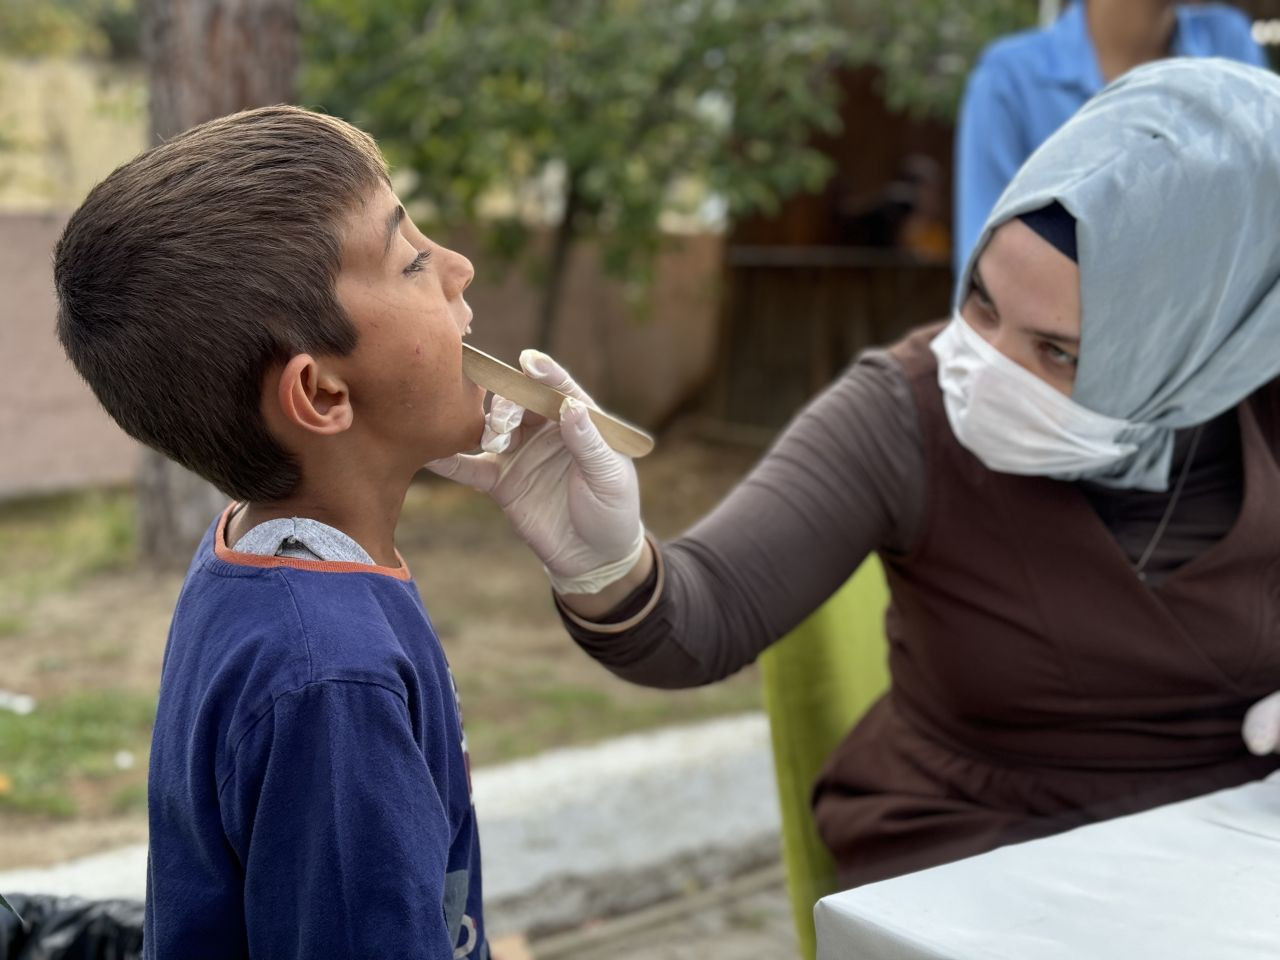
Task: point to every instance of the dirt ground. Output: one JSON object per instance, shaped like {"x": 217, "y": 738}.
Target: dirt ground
{"x": 524, "y": 686}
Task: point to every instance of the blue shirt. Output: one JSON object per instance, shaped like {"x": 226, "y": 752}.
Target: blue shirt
{"x": 1027, "y": 85}
{"x": 309, "y": 791}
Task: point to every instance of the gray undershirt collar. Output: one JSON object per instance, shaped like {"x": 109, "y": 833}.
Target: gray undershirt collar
{"x": 302, "y": 539}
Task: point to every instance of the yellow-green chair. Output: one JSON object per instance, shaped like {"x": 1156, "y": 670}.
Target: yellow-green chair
{"x": 817, "y": 681}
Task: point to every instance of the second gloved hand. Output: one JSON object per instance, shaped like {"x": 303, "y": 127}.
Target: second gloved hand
{"x": 571, "y": 497}
{"x": 1262, "y": 726}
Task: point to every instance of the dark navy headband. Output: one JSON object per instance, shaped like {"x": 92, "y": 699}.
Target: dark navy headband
{"x": 1057, "y": 226}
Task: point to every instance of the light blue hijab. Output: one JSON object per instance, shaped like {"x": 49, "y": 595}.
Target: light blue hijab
{"x": 1173, "y": 176}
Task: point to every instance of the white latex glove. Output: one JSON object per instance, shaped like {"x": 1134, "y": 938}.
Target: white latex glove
{"x": 1261, "y": 729}
{"x": 569, "y": 495}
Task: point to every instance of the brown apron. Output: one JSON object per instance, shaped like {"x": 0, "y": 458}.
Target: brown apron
{"x": 1038, "y": 684}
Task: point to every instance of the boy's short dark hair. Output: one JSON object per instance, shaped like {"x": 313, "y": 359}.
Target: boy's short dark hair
{"x": 197, "y": 264}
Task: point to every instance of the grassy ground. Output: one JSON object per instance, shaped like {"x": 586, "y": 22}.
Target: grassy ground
{"x": 82, "y": 630}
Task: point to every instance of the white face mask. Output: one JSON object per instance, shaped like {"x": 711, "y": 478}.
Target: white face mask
{"x": 1013, "y": 421}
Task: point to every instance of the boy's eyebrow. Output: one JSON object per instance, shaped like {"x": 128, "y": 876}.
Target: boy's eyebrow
{"x": 393, "y": 226}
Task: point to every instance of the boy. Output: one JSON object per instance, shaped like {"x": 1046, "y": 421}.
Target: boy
{"x": 251, "y": 299}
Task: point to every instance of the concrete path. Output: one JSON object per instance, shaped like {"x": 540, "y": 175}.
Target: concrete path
{"x": 577, "y": 834}
{"x": 747, "y": 918}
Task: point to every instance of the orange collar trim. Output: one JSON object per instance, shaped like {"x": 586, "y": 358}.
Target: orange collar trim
{"x": 240, "y": 559}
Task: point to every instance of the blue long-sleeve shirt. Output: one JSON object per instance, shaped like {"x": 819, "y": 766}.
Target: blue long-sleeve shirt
{"x": 309, "y": 790}
{"x": 1025, "y": 86}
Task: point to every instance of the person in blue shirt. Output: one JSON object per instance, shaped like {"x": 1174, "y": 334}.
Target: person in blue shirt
{"x": 1025, "y": 86}
{"x": 251, "y": 299}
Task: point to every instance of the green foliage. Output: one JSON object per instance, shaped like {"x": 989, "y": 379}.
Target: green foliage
{"x": 36, "y": 27}
{"x": 925, "y": 48}
{"x": 30, "y": 28}
{"x": 619, "y": 109}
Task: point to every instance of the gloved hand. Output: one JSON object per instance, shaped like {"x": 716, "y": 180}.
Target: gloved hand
{"x": 570, "y": 496}
{"x": 1261, "y": 729}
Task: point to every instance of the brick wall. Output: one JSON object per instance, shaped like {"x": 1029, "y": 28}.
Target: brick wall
{"x": 53, "y": 434}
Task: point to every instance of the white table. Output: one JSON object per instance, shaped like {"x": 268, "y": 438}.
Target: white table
{"x": 1198, "y": 880}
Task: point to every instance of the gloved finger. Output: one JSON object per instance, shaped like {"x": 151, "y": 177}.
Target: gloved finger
{"x": 1262, "y": 725}
{"x": 541, "y": 367}
{"x": 599, "y": 463}
{"x": 491, "y": 442}
{"x": 504, "y": 415}
{"x": 508, "y": 425}
{"x": 477, "y": 472}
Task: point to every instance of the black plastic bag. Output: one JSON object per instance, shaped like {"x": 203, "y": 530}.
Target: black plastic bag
{"x": 68, "y": 928}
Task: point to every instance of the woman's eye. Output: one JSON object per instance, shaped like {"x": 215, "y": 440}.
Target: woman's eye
{"x": 1056, "y": 355}
{"x": 982, "y": 308}
{"x": 419, "y": 262}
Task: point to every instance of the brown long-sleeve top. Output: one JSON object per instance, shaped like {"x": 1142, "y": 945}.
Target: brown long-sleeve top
{"x": 847, "y": 478}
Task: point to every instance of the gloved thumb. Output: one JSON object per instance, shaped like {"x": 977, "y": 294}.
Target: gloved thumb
{"x": 600, "y": 465}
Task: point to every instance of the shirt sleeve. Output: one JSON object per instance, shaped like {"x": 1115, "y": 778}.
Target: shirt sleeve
{"x": 845, "y": 478}
{"x": 990, "y": 148}
{"x": 340, "y": 829}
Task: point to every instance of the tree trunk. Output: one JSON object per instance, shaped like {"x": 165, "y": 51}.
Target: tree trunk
{"x": 208, "y": 58}
{"x": 205, "y": 59}
{"x": 558, "y": 268}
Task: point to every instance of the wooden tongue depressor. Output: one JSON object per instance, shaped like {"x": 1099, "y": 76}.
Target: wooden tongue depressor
{"x": 506, "y": 381}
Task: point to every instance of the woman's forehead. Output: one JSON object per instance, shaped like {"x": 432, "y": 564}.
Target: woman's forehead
{"x": 1031, "y": 283}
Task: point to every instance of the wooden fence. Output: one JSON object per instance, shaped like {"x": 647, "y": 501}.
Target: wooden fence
{"x": 793, "y": 317}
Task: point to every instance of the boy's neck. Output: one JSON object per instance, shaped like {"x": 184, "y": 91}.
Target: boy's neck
{"x": 366, "y": 512}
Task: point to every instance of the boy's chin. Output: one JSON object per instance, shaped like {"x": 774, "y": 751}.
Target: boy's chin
{"x": 468, "y": 435}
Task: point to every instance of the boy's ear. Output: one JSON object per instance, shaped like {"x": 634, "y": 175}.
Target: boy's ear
{"x": 312, "y": 397}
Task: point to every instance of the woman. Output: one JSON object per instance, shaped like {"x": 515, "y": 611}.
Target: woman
{"x": 1074, "y": 487}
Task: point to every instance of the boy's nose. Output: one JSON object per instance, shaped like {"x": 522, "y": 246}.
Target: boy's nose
{"x": 460, "y": 274}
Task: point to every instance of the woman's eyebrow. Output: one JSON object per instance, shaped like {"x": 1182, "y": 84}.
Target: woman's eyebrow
{"x": 1050, "y": 335}
{"x": 975, "y": 281}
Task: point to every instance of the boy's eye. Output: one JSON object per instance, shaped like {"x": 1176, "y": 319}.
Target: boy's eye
{"x": 418, "y": 262}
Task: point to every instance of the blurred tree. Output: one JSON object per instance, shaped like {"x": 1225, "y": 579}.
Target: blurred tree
{"x": 38, "y": 27}
{"x": 205, "y": 58}
{"x": 925, "y": 48}
{"x": 594, "y": 116}
{"x": 119, "y": 24}
{"x": 31, "y": 28}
